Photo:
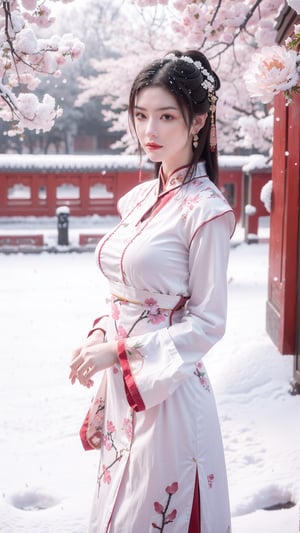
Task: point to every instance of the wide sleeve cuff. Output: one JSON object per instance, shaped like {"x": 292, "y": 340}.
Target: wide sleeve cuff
{"x": 132, "y": 393}
{"x": 99, "y": 323}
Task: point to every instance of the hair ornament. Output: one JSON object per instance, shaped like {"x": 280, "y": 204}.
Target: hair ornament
{"x": 195, "y": 140}
{"x": 208, "y": 83}
{"x": 212, "y": 98}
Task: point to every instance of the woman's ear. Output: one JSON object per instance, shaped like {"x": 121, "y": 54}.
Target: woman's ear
{"x": 198, "y": 122}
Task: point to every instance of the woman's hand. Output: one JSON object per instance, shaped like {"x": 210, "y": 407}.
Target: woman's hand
{"x": 94, "y": 355}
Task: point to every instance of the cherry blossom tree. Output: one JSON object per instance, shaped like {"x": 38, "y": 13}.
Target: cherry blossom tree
{"x": 238, "y": 38}
{"x": 25, "y": 58}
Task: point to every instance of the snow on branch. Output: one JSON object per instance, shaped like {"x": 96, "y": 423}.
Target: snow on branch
{"x": 230, "y": 34}
{"x": 24, "y": 58}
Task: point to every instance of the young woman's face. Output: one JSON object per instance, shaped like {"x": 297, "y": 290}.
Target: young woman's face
{"x": 161, "y": 129}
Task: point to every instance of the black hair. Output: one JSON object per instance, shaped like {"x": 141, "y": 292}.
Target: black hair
{"x": 185, "y": 81}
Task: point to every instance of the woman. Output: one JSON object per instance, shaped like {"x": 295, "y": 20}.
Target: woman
{"x": 162, "y": 463}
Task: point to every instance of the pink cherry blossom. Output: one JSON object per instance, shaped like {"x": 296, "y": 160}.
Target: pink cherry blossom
{"x": 115, "y": 369}
{"x": 106, "y": 475}
{"x": 115, "y": 313}
{"x": 110, "y": 427}
{"x": 171, "y": 489}
{"x": 150, "y": 302}
{"x": 122, "y": 333}
{"x": 210, "y": 479}
{"x": 171, "y": 516}
{"x": 107, "y": 442}
{"x": 29, "y": 4}
{"x": 158, "y": 507}
{"x": 271, "y": 71}
{"x": 127, "y": 427}
{"x": 156, "y": 318}
{"x": 34, "y": 55}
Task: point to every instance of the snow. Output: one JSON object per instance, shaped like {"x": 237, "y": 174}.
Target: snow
{"x": 250, "y": 209}
{"x": 266, "y": 195}
{"x": 256, "y": 161}
{"x": 108, "y": 161}
{"x": 69, "y": 161}
{"x": 47, "y": 480}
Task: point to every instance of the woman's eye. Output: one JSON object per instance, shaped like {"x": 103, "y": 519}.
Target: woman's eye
{"x": 139, "y": 115}
{"x": 167, "y": 117}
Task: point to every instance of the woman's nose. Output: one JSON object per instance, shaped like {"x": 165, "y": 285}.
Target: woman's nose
{"x": 151, "y": 128}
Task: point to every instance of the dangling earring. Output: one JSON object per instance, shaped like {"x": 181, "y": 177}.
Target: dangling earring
{"x": 213, "y": 131}
{"x": 195, "y": 140}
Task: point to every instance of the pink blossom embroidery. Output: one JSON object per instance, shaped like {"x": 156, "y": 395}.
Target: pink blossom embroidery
{"x": 96, "y": 423}
{"x": 166, "y": 518}
{"x": 171, "y": 489}
{"x": 115, "y": 369}
{"x": 115, "y": 313}
{"x": 106, "y": 475}
{"x": 122, "y": 333}
{"x": 177, "y": 179}
{"x": 109, "y": 444}
{"x": 191, "y": 201}
{"x": 158, "y": 507}
{"x": 110, "y": 427}
{"x": 151, "y": 303}
{"x": 188, "y": 205}
{"x": 156, "y": 318}
{"x": 151, "y": 312}
{"x": 201, "y": 374}
{"x": 135, "y": 356}
{"x": 210, "y": 479}
{"x": 127, "y": 427}
{"x": 154, "y": 314}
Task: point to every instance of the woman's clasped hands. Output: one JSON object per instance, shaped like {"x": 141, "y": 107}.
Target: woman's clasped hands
{"x": 92, "y": 357}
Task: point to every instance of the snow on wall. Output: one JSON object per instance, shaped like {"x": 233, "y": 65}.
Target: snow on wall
{"x": 110, "y": 161}
{"x": 69, "y": 162}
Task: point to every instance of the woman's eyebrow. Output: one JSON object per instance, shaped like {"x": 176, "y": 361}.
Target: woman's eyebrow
{"x": 158, "y": 109}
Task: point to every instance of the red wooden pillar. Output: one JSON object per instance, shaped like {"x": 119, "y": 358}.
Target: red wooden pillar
{"x": 3, "y": 192}
{"x": 51, "y": 193}
{"x": 283, "y": 307}
{"x": 35, "y": 191}
{"x": 84, "y": 194}
{"x": 284, "y": 228}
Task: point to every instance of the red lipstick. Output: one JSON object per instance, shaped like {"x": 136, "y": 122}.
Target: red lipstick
{"x": 153, "y": 146}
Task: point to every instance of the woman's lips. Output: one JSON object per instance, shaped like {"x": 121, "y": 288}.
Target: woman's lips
{"x": 153, "y": 146}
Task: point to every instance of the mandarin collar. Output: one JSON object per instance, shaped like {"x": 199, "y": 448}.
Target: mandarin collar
{"x": 176, "y": 178}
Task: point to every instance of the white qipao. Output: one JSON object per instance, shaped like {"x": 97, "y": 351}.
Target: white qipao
{"x": 166, "y": 264}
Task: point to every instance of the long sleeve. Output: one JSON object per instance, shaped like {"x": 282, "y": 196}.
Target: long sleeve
{"x": 169, "y": 355}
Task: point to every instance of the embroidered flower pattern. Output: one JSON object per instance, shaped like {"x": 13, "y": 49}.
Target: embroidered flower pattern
{"x": 210, "y": 480}
{"x": 190, "y": 202}
{"x": 121, "y": 332}
{"x": 201, "y": 374}
{"x": 95, "y": 434}
{"x": 151, "y": 312}
{"x": 127, "y": 427}
{"x": 115, "y": 369}
{"x": 166, "y": 516}
{"x": 136, "y": 357}
{"x": 115, "y": 313}
{"x": 109, "y": 444}
{"x": 176, "y": 180}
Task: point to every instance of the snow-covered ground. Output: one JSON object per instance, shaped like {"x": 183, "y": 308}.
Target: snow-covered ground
{"x": 47, "y": 479}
